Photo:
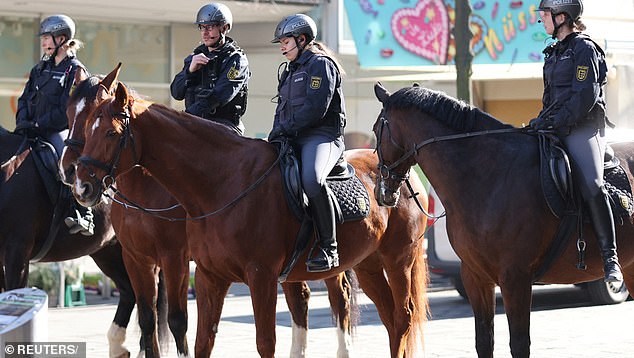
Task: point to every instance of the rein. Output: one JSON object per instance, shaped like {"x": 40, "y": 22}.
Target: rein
{"x": 108, "y": 181}
{"x": 387, "y": 171}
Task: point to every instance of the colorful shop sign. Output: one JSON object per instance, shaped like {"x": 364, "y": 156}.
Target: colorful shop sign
{"x": 419, "y": 32}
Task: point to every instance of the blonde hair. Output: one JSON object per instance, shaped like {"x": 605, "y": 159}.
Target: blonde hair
{"x": 319, "y": 47}
{"x": 72, "y": 46}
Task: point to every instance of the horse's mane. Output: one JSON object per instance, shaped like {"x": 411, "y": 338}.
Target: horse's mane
{"x": 86, "y": 89}
{"x": 455, "y": 114}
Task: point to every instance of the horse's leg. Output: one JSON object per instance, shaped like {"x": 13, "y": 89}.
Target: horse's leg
{"x": 144, "y": 281}
{"x": 481, "y": 293}
{"x": 263, "y": 287}
{"x": 373, "y": 283}
{"x": 516, "y": 291}
{"x": 339, "y": 295}
{"x": 297, "y": 295}
{"x": 176, "y": 272}
{"x": 110, "y": 260}
{"x": 16, "y": 266}
{"x": 210, "y": 297}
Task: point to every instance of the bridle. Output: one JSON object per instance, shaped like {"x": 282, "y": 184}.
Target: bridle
{"x": 110, "y": 168}
{"x": 108, "y": 181}
{"x": 388, "y": 171}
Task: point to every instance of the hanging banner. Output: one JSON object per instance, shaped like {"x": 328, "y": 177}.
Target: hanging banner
{"x": 419, "y": 32}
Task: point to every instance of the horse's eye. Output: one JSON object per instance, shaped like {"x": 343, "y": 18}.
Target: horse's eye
{"x": 111, "y": 133}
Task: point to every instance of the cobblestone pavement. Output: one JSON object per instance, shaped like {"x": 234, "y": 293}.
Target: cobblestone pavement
{"x": 563, "y": 325}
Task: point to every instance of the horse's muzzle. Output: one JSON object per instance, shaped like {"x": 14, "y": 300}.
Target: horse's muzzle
{"x": 385, "y": 196}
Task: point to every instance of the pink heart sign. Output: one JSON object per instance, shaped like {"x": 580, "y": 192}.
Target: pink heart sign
{"x": 423, "y": 30}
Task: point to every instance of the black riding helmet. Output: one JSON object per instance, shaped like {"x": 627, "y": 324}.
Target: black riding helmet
{"x": 295, "y": 25}
{"x": 57, "y": 25}
{"x": 572, "y": 8}
{"x": 214, "y": 13}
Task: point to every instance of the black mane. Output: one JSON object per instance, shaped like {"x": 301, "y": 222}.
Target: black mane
{"x": 455, "y": 114}
{"x": 86, "y": 89}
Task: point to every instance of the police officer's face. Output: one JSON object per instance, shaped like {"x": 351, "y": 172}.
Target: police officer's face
{"x": 48, "y": 45}
{"x": 211, "y": 34}
{"x": 289, "y": 48}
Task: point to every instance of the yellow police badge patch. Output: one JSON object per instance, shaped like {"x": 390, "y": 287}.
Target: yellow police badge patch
{"x": 315, "y": 82}
{"x": 233, "y": 73}
{"x": 582, "y": 73}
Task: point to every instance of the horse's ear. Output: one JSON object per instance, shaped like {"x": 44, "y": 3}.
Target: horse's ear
{"x": 381, "y": 92}
{"x": 121, "y": 95}
{"x": 110, "y": 81}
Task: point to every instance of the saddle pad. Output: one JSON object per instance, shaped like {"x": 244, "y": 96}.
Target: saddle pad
{"x": 352, "y": 197}
{"x": 620, "y": 192}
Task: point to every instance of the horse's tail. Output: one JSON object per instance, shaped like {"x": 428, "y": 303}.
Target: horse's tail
{"x": 162, "y": 314}
{"x": 419, "y": 304}
{"x": 354, "y": 299}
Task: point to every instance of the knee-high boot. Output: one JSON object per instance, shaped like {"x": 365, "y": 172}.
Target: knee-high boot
{"x": 323, "y": 213}
{"x": 603, "y": 224}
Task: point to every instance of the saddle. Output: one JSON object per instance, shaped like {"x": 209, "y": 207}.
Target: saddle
{"x": 559, "y": 192}
{"x": 346, "y": 191}
{"x": 557, "y": 182}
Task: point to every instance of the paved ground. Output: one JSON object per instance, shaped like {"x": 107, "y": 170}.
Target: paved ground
{"x": 563, "y": 325}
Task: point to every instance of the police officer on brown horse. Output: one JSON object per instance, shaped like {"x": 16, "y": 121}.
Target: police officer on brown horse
{"x": 214, "y": 78}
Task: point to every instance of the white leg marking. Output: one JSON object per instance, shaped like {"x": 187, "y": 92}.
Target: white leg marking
{"x": 299, "y": 341}
{"x": 116, "y": 337}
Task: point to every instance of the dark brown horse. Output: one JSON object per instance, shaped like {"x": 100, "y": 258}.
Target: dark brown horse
{"x": 26, "y": 214}
{"x": 245, "y": 231}
{"x": 497, "y": 219}
{"x": 150, "y": 242}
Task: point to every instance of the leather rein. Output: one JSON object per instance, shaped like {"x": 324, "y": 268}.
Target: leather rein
{"x": 388, "y": 171}
{"x": 108, "y": 181}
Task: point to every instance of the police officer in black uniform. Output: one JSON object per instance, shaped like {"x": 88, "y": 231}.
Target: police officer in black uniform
{"x": 311, "y": 114}
{"x": 214, "y": 79}
{"x": 42, "y": 105}
{"x": 574, "y": 106}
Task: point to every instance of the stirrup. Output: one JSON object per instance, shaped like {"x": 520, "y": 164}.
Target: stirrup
{"x": 79, "y": 225}
{"x": 323, "y": 261}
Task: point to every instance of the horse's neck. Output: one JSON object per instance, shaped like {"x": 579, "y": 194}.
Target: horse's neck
{"x": 190, "y": 158}
{"x": 463, "y": 168}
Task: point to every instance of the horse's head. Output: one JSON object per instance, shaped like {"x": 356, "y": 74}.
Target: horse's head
{"x": 109, "y": 147}
{"x": 86, "y": 96}
{"x": 393, "y": 165}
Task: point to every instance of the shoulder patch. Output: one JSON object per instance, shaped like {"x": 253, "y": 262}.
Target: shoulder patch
{"x": 315, "y": 82}
{"x": 582, "y": 73}
{"x": 233, "y": 73}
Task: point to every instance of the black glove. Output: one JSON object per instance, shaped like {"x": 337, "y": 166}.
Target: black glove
{"x": 541, "y": 124}
{"x": 27, "y": 128}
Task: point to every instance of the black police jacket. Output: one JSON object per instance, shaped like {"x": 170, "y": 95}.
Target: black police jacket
{"x": 575, "y": 73}
{"x": 310, "y": 98}
{"x": 219, "y": 89}
{"x": 46, "y": 94}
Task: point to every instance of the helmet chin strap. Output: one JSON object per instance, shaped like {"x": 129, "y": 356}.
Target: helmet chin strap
{"x": 556, "y": 26}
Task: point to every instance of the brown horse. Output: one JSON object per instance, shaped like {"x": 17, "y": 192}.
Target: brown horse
{"x": 150, "y": 242}
{"x": 487, "y": 176}
{"x": 244, "y": 230}
{"x": 26, "y": 215}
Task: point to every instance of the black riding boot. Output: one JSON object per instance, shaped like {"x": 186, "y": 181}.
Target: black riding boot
{"x": 82, "y": 222}
{"x": 603, "y": 224}
{"x": 325, "y": 257}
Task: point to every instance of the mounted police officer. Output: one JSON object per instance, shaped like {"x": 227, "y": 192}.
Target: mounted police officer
{"x": 574, "y": 106}
{"x": 311, "y": 114}
{"x": 214, "y": 79}
{"x": 42, "y": 106}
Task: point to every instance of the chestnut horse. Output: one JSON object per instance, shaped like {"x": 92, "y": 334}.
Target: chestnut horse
{"x": 26, "y": 215}
{"x": 150, "y": 242}
{"x": 487, "y": 176}
{"x": 241, "y": 229}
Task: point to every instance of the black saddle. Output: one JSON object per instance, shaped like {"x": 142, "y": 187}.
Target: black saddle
{"x": 46, "y": 162}
{"x": 557, "y": 183}
{"x": 348, "y": 194}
